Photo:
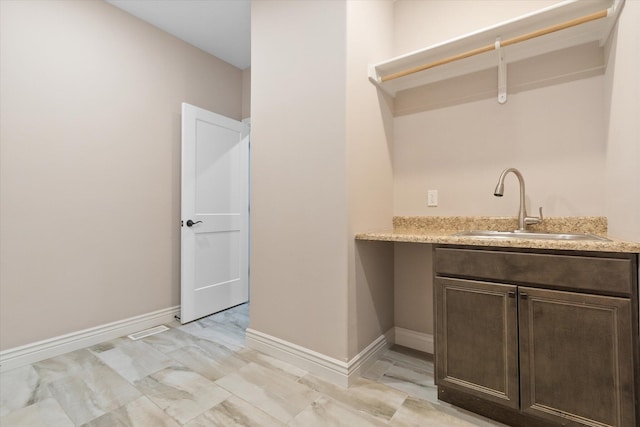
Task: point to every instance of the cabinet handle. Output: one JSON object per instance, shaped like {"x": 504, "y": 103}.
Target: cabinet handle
{"x": 511, "y": 294}
{"x": 524, "y": 296}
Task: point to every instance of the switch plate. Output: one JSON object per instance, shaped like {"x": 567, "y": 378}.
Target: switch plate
{"x": 432, "y": 198}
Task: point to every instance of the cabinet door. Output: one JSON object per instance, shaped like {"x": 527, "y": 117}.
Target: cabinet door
{"x": 576, "y": 361}
{"x": 476, "y": 332}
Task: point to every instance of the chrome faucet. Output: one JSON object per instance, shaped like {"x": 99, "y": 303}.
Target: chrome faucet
{"x": 523, "y": 219}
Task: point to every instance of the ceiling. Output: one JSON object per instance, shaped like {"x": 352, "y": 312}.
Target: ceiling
{"x": 219, "y": 27}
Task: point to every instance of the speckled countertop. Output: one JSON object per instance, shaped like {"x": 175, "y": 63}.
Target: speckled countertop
{"x": 439, "y": 229}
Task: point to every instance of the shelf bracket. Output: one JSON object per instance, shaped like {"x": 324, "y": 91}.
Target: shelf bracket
{"x": 502, "y": 73}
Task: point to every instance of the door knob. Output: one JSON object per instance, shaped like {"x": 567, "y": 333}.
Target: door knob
{"x": 190, "y": 223}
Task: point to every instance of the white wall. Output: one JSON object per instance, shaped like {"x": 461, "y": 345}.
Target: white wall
{"x": 90, "y": 163}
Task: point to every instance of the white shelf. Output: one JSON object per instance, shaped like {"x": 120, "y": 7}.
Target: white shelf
{"x": 596, "y": 30}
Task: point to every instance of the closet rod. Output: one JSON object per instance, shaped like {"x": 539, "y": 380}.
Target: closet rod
{"x": 552, "y": 29}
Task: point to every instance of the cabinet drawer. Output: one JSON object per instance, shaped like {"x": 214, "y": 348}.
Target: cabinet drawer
{"x": 602, "y": 274}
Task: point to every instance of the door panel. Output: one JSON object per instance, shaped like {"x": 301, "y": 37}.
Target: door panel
{"x": 575, "y": 357}
{"x": 224, "y": 247}
{"x": 217, "y": 168}
{"x": 476, "y": 327}
{"x": 215, "y": 196}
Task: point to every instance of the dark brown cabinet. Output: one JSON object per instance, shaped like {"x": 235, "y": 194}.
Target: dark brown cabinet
{"x": 538, "y": 338}
{"x": 477, "y": 333}
{"x": 576, "y": 359}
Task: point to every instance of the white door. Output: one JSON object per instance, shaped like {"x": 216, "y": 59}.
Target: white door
{"x": 215, "y": 213}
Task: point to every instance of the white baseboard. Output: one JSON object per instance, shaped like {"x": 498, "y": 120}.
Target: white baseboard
{"x": 35, "y": 352}
{"x": 415, "y": 340}
{"x": 328, "y": 368}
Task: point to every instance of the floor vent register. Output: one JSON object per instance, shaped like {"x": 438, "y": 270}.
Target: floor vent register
{"x": 148, "y": 332}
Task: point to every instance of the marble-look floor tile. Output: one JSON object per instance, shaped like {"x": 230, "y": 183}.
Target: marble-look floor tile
{"x": 237, "y": 317}
{"x": 181, "y": 393}
{"x": 83, "y": 385}
{"x": 271, "y": 363}
{"x": 77, "y": 399}
{"x": 171, "y": 340}
{"x": 131, "y": 359}
{"x": 210, "y": 365}
{"x": 419, "y": 413}
{"x": 377, "y": 370}
{"x": 364, "y": 395}
{"x": 464, "y": 415}
{"x": 273, "y": 392}
{"x": 205, "y": 357}
{"x": 200, "y": 374}
{"x": 412, "y": 381}
{"x": 175, "y": 323}
{"x": 327, "y": 412}
{"x": 232, "y": 338}
{"x": 45, "y": 413}
{"x": 217, "y": 350}
{"x": 87, "y": 397}
{"x": 409, "y": 358}
{"x": 72, "y": 363}
{"x": 412, "y": 371}
{"x": 19, "y": 388}
{"x": 234, "y": 412}
{"x": 138, "y": 413}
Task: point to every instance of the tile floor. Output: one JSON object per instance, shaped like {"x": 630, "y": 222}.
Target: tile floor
{"x": 200, "y": 374}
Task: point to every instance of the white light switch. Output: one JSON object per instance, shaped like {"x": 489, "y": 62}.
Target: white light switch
{"x": 432, "y": 198}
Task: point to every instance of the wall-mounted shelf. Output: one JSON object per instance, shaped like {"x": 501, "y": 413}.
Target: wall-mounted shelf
{"x": 566, "y": 24}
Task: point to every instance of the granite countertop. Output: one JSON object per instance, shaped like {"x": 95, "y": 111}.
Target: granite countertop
{"x": 440, "y": 230}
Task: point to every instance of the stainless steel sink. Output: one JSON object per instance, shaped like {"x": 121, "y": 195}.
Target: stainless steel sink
{"x": 502, "y": 235}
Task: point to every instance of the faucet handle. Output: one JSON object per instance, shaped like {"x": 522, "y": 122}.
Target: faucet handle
{"x": 534, "y": 219}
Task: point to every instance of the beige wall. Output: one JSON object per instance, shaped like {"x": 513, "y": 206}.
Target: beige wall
{"x": 413, "y": 287}
{"x": 369, "y": 174}
{"x": 578, "y": 155}
{"x": 321, "y": 171}
{"x": 246, "y": 93}
{"x": 554, "y": 135}
{"x": 90, "y": 163}
{"x": 623, "y": 127}
{"x": 298, "y": 173}
{"x": 419, "y": 24}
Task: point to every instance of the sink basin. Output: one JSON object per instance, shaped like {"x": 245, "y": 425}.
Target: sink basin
{"x": 487, "y": 234}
